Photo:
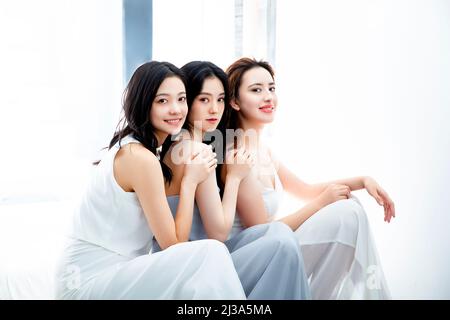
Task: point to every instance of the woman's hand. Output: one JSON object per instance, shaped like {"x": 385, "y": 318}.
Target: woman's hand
{"x": 200, "y": 165}
{"x": 332, "y": 193}
{"x": 381, "y": 196}
{"x": 239, "y": 163}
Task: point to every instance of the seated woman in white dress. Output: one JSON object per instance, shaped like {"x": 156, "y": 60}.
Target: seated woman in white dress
{"x": 267, "y": 257}
{"x": 339, "y": 252}
{"x": 124, "y": 206}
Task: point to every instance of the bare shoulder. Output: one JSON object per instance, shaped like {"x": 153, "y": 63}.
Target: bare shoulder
{"x": 135, "y": 163}
{"x": 136, "y": 156}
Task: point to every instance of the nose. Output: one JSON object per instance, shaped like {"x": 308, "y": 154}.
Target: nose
{"x": 214, "y": 108}
{"x": 175, "y": 108}
{"x": 268, "y": 96}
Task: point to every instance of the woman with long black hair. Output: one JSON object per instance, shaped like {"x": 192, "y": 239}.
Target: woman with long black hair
{"x": 125, "y": 206}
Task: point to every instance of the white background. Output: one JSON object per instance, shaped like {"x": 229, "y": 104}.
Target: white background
{"x": 363, "y": 90}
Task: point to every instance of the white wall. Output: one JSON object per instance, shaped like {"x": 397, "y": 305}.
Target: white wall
{"x": 60, "y": 96}
{"x": 364, "y": 90}
{"x": 193, "y": 30}
{"x": 61, "y": 86}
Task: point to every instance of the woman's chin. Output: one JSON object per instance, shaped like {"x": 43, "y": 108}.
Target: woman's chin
{"x": 173, "y": 131}
{"x": 205, "y": 128}
{"x": 176, "y": 131}
{"x": 266, "y": 120}
{"x": 211, "y": 129}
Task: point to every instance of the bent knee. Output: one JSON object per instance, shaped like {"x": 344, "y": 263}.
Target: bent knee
{"x": 351, "y": 204}
{"x": 338, "y": 218}
{"x": 280, "y": 228}
{"x": 345, "y": 209}
{"x": 214, "y": 244}
{"x": 345, "y": 216}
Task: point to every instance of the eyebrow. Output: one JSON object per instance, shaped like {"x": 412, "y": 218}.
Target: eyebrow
{"x": 210, "y": 94}
{"x": 260, "y": 84}
{"x": 166, "y": 94}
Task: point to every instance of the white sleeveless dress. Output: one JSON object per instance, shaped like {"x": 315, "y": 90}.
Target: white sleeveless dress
{"x": 339, "y": 252}
{"x": 107, "y": 253}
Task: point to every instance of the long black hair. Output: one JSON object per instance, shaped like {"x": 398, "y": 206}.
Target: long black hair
{"x": 137, "y": 104}
{"x": 196, "y": 72}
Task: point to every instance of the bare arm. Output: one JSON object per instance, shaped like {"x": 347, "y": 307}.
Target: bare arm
{"x": 355, "y": 183}
{"x": 214, "y": 213}
{"x": 304, "y": 191}
{"x": 217, "y": 216}
{"x": 252, "y": 210}
{"x": 296, "y": 187}
{"x": 296, "y": 219}
{"x": 140, "y": 171}
{"x": 250, "y": 203}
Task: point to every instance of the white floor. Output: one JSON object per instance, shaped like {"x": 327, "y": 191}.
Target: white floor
{"x": 31, "y": 235}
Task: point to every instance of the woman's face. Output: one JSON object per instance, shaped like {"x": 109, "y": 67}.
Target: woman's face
{"x": 257, "y": 100}
{"x": 169, "y": 108}
{"x": 208, "y": 106}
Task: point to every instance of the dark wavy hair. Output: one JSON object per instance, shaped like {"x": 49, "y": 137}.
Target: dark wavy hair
{"x": 196, "y": 72}
{"x": 137, "y": 104}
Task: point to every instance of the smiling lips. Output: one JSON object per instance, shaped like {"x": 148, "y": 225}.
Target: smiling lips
{"x": 173, "y": 122}
{"x": 267, "y": 108}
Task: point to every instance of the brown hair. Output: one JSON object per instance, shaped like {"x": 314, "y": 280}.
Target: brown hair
{"x": 229, "y": 119}
{"x": 235, "y": 74}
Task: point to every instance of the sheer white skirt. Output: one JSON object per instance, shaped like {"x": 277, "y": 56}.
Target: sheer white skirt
{"x": 340, "y": 255}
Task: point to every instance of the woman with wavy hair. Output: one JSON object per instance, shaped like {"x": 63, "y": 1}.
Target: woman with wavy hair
{"x": 332, "y": 229}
